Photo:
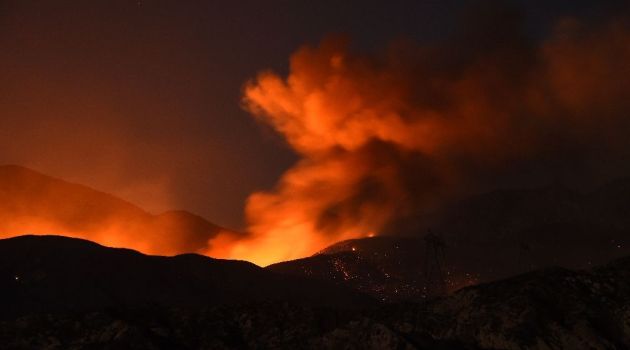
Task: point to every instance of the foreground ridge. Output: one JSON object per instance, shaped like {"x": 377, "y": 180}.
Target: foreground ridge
{"x": 552, "y": 308}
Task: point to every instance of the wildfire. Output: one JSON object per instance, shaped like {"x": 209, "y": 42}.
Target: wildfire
{"x": 385, "y": 136}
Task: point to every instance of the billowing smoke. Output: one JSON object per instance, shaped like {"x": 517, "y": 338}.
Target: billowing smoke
{"x": 392, "y": 135}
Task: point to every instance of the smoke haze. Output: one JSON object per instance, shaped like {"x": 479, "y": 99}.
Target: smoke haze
{"x": 140, "y": 99}
{"x": 392, "y": 135}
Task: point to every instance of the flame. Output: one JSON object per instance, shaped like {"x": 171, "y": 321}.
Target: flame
{"x": 384, "y": 136}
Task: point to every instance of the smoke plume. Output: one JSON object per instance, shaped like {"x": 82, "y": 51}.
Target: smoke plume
{"x": 387, "y": 136}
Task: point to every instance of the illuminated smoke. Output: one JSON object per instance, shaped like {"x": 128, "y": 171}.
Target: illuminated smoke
{"x": 31, "y": 203}
{"x": 388, "y": 136}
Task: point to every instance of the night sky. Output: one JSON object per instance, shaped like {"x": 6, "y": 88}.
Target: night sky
{"x": 143, "y": 99}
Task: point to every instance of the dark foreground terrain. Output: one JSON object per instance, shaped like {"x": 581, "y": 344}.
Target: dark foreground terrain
{"x": 53, "y": 274}
{"x": 63, "y": 293}
{"x": 487, "y": 237}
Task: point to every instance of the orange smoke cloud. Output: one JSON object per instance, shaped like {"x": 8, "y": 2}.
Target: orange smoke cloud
{"x": 391, "y": 135}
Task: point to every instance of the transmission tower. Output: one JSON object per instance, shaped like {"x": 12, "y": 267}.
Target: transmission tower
{"x": 524, "y": 257}
{"x": 435, "y": 280}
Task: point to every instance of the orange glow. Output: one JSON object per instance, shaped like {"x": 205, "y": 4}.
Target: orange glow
{"x": 378, "y": 137}
{"x": 145, "y": 236}
{"x": 31, "y": 203}
{"x": 383, "y": 136}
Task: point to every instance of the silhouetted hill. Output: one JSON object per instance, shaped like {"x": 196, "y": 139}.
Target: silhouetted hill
{"x": 488, "y": 236}
{"x": 553, "y": 308}
{"x": 33, "y": 203}
{"x": 47, "y": 274}
{"x": 389, "y": 268}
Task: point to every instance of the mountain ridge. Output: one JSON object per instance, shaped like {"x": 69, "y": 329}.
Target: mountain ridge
{"x": 552, "y": 308}
{"x": 42, "y": 274}
{"x": 35, "y": 203}
{"x": 487, "y": 237}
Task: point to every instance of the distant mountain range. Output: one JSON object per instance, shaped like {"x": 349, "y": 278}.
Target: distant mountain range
{"x": 33, "y": 203}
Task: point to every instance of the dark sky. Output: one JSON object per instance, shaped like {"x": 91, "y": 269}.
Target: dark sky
{"x": 142, "y": 98}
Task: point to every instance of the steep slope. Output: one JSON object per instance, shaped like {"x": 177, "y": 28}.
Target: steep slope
{"x": 388, "y": 268}
{"x": 547, "y": 309}
{"x": 41, "y": 274}
{"x": 33, "y": 203}
{"x": 488, "y": 237}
